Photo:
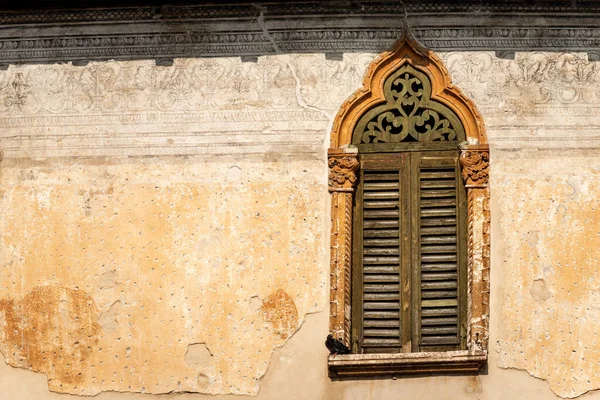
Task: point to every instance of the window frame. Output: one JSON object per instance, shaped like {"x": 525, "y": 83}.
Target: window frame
{"x": 474, "y": 165}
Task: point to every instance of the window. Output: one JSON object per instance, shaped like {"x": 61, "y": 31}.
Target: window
{"x": 410, "y": 222}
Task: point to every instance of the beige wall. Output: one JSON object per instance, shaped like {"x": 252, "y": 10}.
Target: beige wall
{"x": 165, "y": 229}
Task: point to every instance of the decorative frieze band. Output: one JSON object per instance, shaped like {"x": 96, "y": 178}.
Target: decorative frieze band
{"x": 125, "y": 33}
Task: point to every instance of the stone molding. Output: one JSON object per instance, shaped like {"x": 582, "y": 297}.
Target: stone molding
{"x": 126, "y": 33}
{"x": 474, "y": 164}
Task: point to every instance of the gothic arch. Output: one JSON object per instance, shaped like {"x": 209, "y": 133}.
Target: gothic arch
{"x": 343, "y": 164}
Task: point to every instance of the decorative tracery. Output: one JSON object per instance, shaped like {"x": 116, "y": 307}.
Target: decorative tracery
{"x": 409, "y": 114}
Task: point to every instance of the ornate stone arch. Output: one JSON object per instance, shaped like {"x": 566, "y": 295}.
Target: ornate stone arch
{"x": 343, "y": 165}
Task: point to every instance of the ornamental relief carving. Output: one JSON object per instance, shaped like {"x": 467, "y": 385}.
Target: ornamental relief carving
{"x": 561, "y": 80}
{"x": 342, "y": 172}
{"x": 475, "y": 167}
{"x": 532, "y": 78}
{"x": 409, "y": 115}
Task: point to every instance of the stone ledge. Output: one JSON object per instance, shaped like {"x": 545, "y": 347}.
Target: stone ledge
{"x": 391, "y": 365}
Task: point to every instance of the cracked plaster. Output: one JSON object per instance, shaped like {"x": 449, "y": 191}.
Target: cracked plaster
{"x": 190, "y": 246}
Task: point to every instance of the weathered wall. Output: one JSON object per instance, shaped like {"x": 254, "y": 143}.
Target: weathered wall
{"x": 165, "y": 229}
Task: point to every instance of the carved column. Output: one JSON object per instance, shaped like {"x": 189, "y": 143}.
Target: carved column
{"x": 474, "y": 161}
{"x": 343, "y": 165}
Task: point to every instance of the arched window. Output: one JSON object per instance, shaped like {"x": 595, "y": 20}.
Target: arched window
{"x": 410, "y": 222}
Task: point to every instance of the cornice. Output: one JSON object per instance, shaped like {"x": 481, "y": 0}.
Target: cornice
{"x": 255, "y": 29}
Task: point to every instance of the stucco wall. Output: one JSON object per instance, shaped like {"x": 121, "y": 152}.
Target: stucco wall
{"x": 165, "y": 229}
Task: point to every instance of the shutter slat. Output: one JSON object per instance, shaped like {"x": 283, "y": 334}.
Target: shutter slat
{"x": 392, "y": 305}
{"x": 381, "y": 297}
{"x": 437, "y": 193}
{"x": 438, "y": 221}
{"x": 381, "y": 177}
{"x": 394, "y": 333}
{"x": 439, "y": 312}
{"x": 381, "y": 314}
{"x": 437, "y": 285}
{"x": 368, "y": 278}
{"x": 382, "y": 323}
{"x": 447, "y": 174}
{"x": 370, "y": 288}
{"x": 380, "y": 195}
{"x": 379, "y": 224}
{"x": 381, "y": 269}
{"x": 381, "y": 251}
{"x": 381, "y": 260}
{"x": 367, "y": 341}
{"x": 438, "y": 294}
{"x": 439, "y": 258}
{"x": 381, "y": 242}
{"x": 440, "y": 330}
{"x": 439, "y": 230}
{"x": 382, "y": 213}
{"x": 439, "y": 321}
{"x": 437, "y": 249}
{"x": 439, "y": 303}
{"x": 438, "y": 276}
{"x": 439, "y": 340}
{"x": 441, "y": 184}
{"x": 442, "y": 202}
{"x": 438, "y": 239}
{"x": 437, "y": 267}
{"x": 380, "y": 186}
{"x": 380, "y": 204}
{"x": 438, "y": 212}
{"x": 385, "y": 233}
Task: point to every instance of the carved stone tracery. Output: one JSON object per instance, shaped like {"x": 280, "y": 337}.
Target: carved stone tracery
{"x": 409, "y": 114}
{"x": 407, "y": 95}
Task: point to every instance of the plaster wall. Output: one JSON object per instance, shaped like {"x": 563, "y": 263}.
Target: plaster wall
{"x": 165, "y": 229}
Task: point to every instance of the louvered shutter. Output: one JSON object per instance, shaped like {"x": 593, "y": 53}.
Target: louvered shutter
{"x": 439, "y": 212}
{"x": 408, "y": 285}
{"x": 377, "y": 260}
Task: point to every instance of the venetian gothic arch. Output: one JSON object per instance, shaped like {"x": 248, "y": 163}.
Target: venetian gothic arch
{"x": 367, "y": 119}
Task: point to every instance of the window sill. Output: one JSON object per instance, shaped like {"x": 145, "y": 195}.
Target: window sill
{"x": 391, "y": 365}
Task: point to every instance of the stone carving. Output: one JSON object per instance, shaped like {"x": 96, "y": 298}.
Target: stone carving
{"x": 342, "y": 172}
{"x": 475, "y": 167}
{"x": 409, "y": 114}
{"x": 54, "y": 36}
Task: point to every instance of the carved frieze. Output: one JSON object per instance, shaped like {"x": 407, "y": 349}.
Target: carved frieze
{"x": 125, "y": 33}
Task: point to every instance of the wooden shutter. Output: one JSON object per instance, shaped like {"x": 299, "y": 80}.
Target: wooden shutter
{"x": 378, "y": 254}
{"x": 438, "y": 231}
{"x": 407, "y": 290}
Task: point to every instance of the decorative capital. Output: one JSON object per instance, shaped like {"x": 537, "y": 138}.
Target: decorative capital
{"x": 475, "y": 161}
{"x": 342, "y": 172}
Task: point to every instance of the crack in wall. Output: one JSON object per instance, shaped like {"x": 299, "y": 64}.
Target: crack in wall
{"x": 286, "y": 58}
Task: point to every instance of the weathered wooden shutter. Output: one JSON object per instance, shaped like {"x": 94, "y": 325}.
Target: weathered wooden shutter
{"x": 377, "y": 255}
{"x": 407, "y": 286}
{"x": 438, "y": 232}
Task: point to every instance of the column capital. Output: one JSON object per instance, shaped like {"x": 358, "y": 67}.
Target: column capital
{"x": 475, "y": 162}
{"x": 343, "y": 165}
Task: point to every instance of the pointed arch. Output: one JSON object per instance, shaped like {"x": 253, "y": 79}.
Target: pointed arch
{"x": 406, "y": 51}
